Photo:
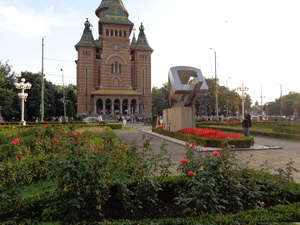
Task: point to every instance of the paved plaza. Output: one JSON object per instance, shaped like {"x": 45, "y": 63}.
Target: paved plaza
{"x": 276, "y": 151}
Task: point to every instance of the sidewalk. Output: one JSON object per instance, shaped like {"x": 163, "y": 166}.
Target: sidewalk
{"x": 278, "y": 157}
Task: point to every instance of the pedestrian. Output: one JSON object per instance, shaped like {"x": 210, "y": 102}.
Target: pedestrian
{"x": 247, "y": 123}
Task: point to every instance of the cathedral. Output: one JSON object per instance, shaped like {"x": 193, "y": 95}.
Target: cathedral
{"x": 113, "y": 72}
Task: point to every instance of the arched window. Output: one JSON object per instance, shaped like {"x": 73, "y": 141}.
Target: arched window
{"x": 143, "y": 56}
{"x": 116, "y": 67}
{"x": 120, "y": 68}
{"x": 116, "y": 33}
{"x": 111, "y": 32}
{"x": 112, "y": 68}
{"x": 116, "y": 82}
{"x": 120, "y": 33}
{"x": 107, "y": 32}
{"x": 124, "y": 33}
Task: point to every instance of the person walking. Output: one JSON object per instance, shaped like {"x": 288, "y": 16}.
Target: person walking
{"x": 247, "y": 123}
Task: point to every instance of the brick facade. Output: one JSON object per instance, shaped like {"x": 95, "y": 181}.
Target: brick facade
{"x": 113, "y": 72}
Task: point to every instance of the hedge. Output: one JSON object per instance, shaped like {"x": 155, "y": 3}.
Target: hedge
{"x": 245, "y": 142}
{"x": 33, "y": 205}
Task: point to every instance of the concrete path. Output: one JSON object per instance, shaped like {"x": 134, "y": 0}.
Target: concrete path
{"x": 276, "y": 157}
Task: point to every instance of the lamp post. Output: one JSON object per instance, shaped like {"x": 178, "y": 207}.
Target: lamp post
{"x": 23, "y": 96}
{"x": 243, "y": 89}
{"x": 217, "y": 116}
{"x": 43, "y": 86}
{"x": 64, "y": 97}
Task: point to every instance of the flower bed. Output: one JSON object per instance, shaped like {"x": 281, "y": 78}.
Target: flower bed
{"x": 244, "y": 142}
{"x": 210, "y": 133}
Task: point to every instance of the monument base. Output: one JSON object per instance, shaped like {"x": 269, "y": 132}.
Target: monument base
{"x": 22, "y": 123}
{"x": 179, "y": 118}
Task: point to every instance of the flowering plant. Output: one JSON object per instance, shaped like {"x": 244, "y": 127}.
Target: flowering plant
{"x": 210, "y": 133}
{"x": 219, "y": 177}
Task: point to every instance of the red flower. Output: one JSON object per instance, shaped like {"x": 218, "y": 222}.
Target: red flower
{"x": 207, "y": 150}
{"x": 38, "y": 139}
{"x": 70, "y": 135}
{"x": 63, "y": 129}
{"x": 55, "y": 178}
{"x": 191, "y": 173}
{"x": 184, "y": 161}
{"x": 21, "y": 157}
{"x": 193, "y": 145}
{"x": 216, "y": 153}
{"x": 14, "y": 143}
{"x": 74, "y": 134}
{"x": 46, "y": 127}
{"x": 187, "y": 144}
{"x": 17, "y": 140}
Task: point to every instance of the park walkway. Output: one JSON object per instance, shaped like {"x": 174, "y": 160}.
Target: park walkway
{"x": 276, "y": 157}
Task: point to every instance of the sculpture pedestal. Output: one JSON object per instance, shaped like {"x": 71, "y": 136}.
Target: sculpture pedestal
{"x": 179, "y": 118}
{"x": 22, "y": 123}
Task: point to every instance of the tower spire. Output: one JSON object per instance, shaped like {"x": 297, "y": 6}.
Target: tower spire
{"x": 142, "y": 43}
{"x": 87, "y": 39}
{"x": 133, "y": 42}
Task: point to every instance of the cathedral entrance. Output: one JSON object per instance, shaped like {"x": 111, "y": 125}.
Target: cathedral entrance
{"x": 99, "y": 106}
{"x": 134, "y": 106}
{"x": 125, "y": 106}
{"x": 117, "y": 106}
{"x": 108, "y": 106}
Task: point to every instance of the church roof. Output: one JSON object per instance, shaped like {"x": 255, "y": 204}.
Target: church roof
{"x": 142, "y": 43}
{"x": 116, "y": 92}
{"x": 116, "y": 13}
{"x": 105, "y": 4}
{"x": 87, "y": 39}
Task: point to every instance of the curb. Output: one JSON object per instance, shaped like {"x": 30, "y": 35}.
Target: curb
{"x": 255, "y": 147}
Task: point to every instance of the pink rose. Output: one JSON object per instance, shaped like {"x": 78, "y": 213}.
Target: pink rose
{"x": 14, "y": 143}
{"x": 184, "y": 161}
{"x": 187, "y": 144}
{"x": 216, "y": 153}
{"x": 17, "y": 140}
{"x": 21, "y": 157}
{"x": 191, "y": 173}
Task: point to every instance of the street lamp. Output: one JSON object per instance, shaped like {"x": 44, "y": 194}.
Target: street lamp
{"x": 43, "y": 86}
{"x": 217, "y": 116}
{"x": 23, "y": 96}
{"x": 243, "y": 89}
{"x": 65, "y": 114}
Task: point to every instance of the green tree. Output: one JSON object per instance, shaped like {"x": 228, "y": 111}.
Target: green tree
{"x": 33, "y": 103}
{"x": 70, "y": 109}
{"x": 8, "y": 94}
{"x": 160, "y": 98}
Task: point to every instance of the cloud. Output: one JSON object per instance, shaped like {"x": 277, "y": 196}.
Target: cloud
{"x": 31, "y": 25}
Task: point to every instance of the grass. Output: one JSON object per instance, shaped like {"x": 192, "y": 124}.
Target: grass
{"x": 128, "y": 128}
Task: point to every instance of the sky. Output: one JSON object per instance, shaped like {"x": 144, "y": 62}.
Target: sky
{"x": 256, "y": 42}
